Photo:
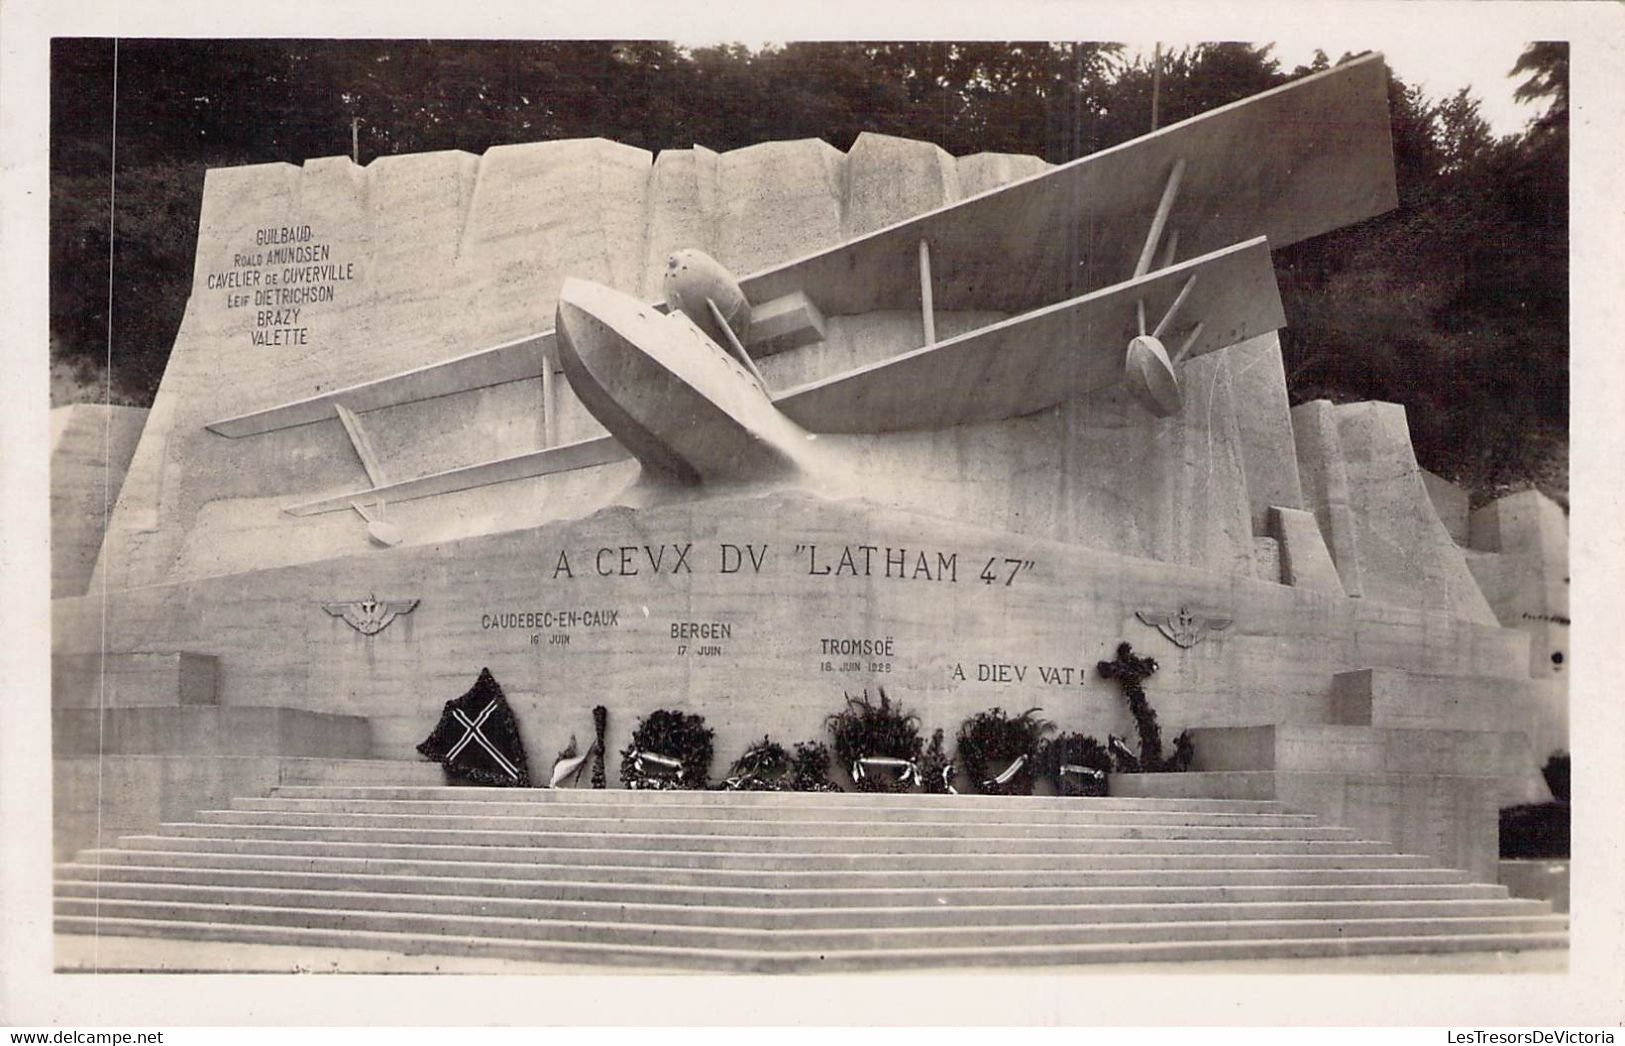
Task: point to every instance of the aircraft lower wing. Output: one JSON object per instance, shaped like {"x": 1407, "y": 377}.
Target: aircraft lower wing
{"x": 1037, "y": 360}
{"x": 511, "y": 361}
{"x": 601, "y": 450}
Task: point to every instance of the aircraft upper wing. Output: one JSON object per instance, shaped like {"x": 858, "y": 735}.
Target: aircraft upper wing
{"x": 1290, "y": 163}
{"x": 1033, "y": 361}
{"x": 600, "y": 450}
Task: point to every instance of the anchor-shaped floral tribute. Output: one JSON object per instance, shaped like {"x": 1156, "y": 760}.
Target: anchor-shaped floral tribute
{"x": 1131, "y": 671}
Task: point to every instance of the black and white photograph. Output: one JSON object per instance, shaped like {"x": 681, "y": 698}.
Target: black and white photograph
{"x": 745, "y": 503}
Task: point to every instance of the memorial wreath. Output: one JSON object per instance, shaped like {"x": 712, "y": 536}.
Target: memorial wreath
{"x": 765, "y": 767}
{"x": 1077, "y": 763}
{"x": 997, "y": 751}
{"x": 936, "y": 769}
{"x": 1130, "y": 671}
{"x": 669, "y": 749}
{"x": 809, "y": 768}
{"x": 878, "y": 744}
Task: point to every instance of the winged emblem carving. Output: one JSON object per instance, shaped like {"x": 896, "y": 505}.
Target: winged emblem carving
{"x": 372, "y": 615}
{"x": 1182, "y": 627}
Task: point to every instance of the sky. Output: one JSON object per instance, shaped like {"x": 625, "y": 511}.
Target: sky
{"x": 1442, "y": 71}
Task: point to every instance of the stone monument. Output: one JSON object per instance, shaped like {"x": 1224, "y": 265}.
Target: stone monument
{"x": 960, "y": 427}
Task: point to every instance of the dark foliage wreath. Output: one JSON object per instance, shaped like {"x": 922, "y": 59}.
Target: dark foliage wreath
{"x": 600, "y": 722}
{"x": 1077, "y": 763}
{"x": 809, "y": 768}
{"x": 865, "y": 730}
{"x": 997, "y": 750}
{"x": 1535, "y": 831}
{"x": 936, "y": 769}
{"x": 1540, "y": 830}
{"x": 663, "y": 738}
{"x": 764, "y": 767}
{"x": 1556, "y": 773}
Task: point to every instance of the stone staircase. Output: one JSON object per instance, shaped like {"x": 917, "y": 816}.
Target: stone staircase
{"x": 781, "y": 882}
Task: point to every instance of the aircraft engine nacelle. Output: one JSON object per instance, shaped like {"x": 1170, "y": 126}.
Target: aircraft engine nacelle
{"x": 1151, "y": 378}
{"x": 693, "y": 277}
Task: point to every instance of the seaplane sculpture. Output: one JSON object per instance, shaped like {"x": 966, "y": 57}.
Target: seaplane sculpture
{"x": 1100, "y": 264}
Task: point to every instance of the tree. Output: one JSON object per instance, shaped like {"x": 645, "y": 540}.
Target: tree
{"x": 1547, "y": 64}
{"x": 1454, "y": 304}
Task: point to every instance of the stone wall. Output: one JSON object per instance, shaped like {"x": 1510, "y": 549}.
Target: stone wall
{"x": 950, "y": 629}
{"x": 1520, "y": 559}
{"x": 91, "y": 447}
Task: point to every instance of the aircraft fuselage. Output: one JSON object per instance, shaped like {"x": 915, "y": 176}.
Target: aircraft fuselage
{"x": 669, "y": 393}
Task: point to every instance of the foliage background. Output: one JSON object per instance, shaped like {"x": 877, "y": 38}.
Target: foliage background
{"x": 1455, "y": 305}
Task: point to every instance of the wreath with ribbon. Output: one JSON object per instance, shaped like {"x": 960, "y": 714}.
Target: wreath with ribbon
{"x": 1077, "y": 763}
{"x": 669, "y": 749}
{"x": 764, "y": 767}
{"x": 997, "y": 751}
{"x": 878, "y": 744}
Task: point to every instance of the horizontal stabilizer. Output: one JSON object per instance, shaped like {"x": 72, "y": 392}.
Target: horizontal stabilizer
{"x": 512, "y": 361}
{"x": 1293, "y": 162}
{"x": 1037, "y": 360}
{"x": 598, "y": 451}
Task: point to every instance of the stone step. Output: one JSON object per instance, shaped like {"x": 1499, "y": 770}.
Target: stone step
{"x": 1148, "y": 871}
{"x": 363, "y": 772}
{"x": 1177, "y": 787}
{"x": 835, "y": 810}
{"x": 880, "y": 959}
{"x": 732, "y": 828}
{"x": 824, "y": 917}
{"x": 797, "y": 939}
{"x": 1120, "y": 840}
{"x": 75, "y": 880}
{"x": 1115, "y": 855}
{"x": 742, "y": 799}
{"x": 784, "y": 881}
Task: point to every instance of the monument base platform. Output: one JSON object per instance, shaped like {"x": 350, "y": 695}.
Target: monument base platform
{"x": 762, "y": 613}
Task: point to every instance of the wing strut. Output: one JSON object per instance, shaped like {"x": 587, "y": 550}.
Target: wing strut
{"x": 1168, "y": 317}
{"x": 1164, "y": 205}
{"x": 733, "y": 339}
{"x": 928, "y": 316}
{"x": 1172, "y": 248}
{"x": 362, "y": 445}
{"x": 550, "y": 413}
{"x": 1190, "y": 342}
